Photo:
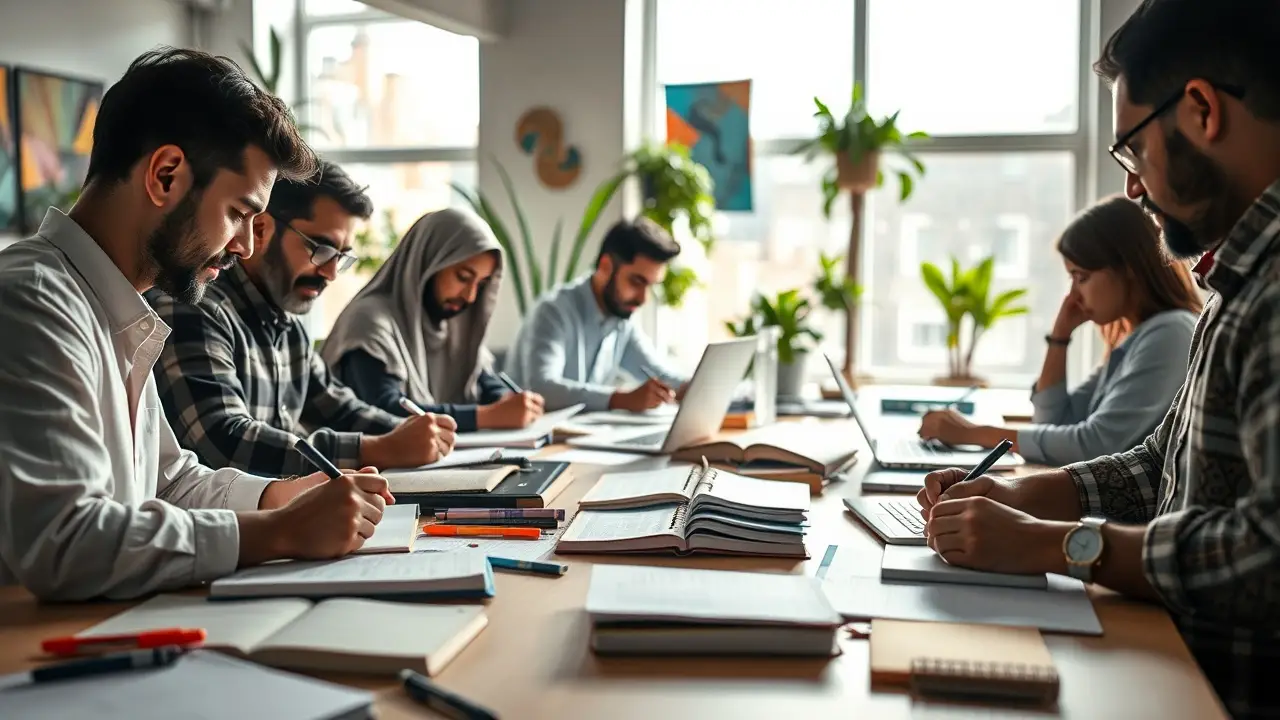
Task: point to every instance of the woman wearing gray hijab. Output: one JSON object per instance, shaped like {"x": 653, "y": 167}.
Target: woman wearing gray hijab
{"x": 416, "y": 331}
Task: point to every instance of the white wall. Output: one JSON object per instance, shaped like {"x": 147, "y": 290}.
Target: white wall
{"x": 569, "y": 55}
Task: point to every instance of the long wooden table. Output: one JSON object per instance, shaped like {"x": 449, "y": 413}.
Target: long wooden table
{"x": 533, "y": 660}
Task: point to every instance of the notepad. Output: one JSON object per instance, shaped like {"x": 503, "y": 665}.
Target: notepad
{"x": 395, "y": 532}
{"x": 656, "y": 610}
{"x": 203, "y": 684}
{"x": 534, "y": 436}
{"x": 447, "y": 480}
{"x": 701, "y": 488}
{"x": 918, "y": 563}
{"x": 410, "y": 576}
{"x": 339, "y": 635}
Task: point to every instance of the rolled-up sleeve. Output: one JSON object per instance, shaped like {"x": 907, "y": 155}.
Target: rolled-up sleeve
{"x": 62, "y": 533}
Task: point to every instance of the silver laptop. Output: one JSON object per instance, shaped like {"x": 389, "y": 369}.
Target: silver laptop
{"x": 701, "y": 413}
{"x": 911, "y": 452}
{"x": 896, "y": 520}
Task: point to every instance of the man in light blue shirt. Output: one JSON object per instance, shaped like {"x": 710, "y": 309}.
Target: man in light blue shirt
{"x": 578, "y": 336}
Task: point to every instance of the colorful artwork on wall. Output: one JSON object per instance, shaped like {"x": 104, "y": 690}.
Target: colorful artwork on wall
{"x": 711, "y": 119}
{"x": 8, "y": 154}
{"x": 540, "y": 133}
{"x": 55, "y": 117}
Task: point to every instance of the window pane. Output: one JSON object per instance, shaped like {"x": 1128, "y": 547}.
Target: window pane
{"x": 401, "y": 193}
{"x": 968, "y": 206}
{"x": 392, "y": 84}
{"x": 333, "y": 7}
{"x": 939, "y": 72}
{"x": 789, "y": 55}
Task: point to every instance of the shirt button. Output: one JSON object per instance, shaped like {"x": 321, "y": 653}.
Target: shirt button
{"x": 284, "y": 409}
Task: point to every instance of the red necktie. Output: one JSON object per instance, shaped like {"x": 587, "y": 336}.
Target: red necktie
{"x": 1203, "y": 267}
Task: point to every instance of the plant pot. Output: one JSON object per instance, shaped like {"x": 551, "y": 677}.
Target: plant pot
{"x": 958, "y": 381}
{"x": 791, "y": 377}
{"x": 857, "y": 177}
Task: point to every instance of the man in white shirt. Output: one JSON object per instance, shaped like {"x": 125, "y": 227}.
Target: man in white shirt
{"x": 96, "y": 497}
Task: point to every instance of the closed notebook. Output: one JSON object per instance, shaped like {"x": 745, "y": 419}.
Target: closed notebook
{"x": 411, "y": 576}
{"x": 919, "y": 563}
{"x": 704, "y": 489}
{"x": 416, "y": 481}
{"x": 339, "y": 635}
{"x": 681, "y": 611}
{"x": 960, "y": 659}
{"x": 821, "y": 448}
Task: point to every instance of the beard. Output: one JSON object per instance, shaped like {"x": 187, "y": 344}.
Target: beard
{"x": 441, "y": 311}
{"x": 175, "y": 250}
{"x": 612, "y": 302}
{"x": 280, "y": 284}
{"x": 1194, "y": 179}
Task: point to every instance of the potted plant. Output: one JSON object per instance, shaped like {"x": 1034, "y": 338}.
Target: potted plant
{"x": 968, "y": 293}
{"x": 789, "y": 312}
{"x": 857, "y": 143}
{"x": 374, "y": 247}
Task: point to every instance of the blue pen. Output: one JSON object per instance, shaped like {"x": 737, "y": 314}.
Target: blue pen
{"x": 118, "y": 662}
{"x": 533, "y": 566}
{"x": 442, "y": 701}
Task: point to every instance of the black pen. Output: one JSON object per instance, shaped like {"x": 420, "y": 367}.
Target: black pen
{"x": 511, "y": 384}
{"x": 118, "y": 662}
{"x": 989, "y": 460}
{"x": 313, "y": 456}
{"x": 442, "y": 701}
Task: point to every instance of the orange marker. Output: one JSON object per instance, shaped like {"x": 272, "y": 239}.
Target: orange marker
{"x": 73, "y": 645}
{"x": 506, "y": 533}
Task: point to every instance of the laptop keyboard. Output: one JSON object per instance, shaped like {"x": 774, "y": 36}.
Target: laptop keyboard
{"x": 907, "y": 513}
{"x": 917, "y": 448}
{"x": 645, "y": 440}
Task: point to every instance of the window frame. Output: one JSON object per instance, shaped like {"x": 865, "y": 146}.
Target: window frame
{"x": 1080, "y": 144}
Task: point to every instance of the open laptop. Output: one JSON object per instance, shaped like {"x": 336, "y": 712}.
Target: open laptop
{"x": 896, "y": 520}
{"x": 909, "y": 451}
{"x": 701, "y": 413}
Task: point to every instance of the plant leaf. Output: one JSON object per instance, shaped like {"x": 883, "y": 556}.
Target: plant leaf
{"x": 535, "y": 272}
{"x": 905, "y": 184}
{"x": 937, "y": 284}
{"x": 276, "y": 54}
{"x": 556, "y": 237}
{"x": 599, "y": 201}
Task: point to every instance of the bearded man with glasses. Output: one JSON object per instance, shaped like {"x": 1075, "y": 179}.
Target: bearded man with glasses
{"x": 239, "y": 378}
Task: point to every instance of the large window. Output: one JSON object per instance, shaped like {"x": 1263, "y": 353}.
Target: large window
{"x": 1006, "y": 166}
{"x": 395, "y": 102}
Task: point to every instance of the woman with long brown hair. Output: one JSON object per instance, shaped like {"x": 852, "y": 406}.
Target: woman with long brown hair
{"x": 1145, "y": 305}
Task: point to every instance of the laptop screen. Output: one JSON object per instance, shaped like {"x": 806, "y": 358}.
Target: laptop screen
{"x": 851, "y": 398}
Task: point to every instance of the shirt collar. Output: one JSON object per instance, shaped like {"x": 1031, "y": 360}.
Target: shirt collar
{"x": 248, "y": 300}
{"x": 591, "y": 309}
{"x": 1251, "y": 240}
{"x": 123, "y": 305}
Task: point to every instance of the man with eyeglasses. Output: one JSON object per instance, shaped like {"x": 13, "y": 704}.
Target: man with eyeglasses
{"x": 239, "y": 378}
{"x": 1191, "y": 517}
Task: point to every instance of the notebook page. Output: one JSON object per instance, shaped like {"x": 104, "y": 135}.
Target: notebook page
{"x": 621, "y": 592}
{"x": 395, "y": 532}
{"x": 237, "y": 625}
{"x": 748, "y": 492}
{"x": 403, "y": 572}
{"x": 477, "y": 480}
{"x": 671, "y": 484}
{"x": 615, "y": 525}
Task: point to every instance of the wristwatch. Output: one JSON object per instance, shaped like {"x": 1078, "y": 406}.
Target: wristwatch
{"x": 1057, "y": 340}
{"x": 1083, "y": 548}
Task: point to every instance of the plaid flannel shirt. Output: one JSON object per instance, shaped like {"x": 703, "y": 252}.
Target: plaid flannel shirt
{"x": 239, "y": 379}
{"x": 1207, "y": 482}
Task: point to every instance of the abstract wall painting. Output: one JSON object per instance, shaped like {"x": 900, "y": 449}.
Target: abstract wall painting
{"x": 711, "y": 119}
{"x": 540, "y": 132}
{"x": 8, "y": 155}
{"x": 55, "y": 117}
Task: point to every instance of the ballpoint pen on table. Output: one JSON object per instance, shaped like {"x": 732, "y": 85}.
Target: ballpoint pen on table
{"x": 442, "y": 701}
{"x": 119, "y": 662}
{"x": 313, "y": 456}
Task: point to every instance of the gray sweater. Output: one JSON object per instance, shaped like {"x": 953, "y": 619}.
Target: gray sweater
{"x": 1120, "y": 404}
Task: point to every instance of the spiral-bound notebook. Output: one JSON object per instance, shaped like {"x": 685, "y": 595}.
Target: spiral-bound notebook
{"x": 959, "y": 660}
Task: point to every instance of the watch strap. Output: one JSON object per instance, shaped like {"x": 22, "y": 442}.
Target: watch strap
{"x": 1057, "y": 340}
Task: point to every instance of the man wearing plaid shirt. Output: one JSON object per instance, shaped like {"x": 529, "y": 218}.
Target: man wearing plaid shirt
{"x": 1190, "y": 518}
{"x": 239, "y": 378}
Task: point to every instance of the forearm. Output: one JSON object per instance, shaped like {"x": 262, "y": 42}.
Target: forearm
{"x": 560, "y": 393}
{"x": 1050, "y": 495}
{"x": 1054, "y": 368}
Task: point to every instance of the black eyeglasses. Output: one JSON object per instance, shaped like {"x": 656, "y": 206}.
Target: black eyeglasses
{"x": 322, "y": 254}
{"x": 1121, "y": 150}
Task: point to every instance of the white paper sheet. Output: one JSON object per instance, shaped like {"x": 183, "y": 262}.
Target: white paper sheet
{"x": 596, "y": 457}
{"x": 541, "y": 428}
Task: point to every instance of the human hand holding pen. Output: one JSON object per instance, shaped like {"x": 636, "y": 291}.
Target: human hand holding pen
{"x": 421, "y": 439}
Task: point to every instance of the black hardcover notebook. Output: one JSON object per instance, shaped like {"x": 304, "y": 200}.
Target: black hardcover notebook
{"x": 532, "y": 488}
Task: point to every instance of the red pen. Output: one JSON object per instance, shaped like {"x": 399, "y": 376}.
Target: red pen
{"x": 76, "y": 645}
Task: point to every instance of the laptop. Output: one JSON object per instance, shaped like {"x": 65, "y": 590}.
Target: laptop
{"x": 701, "y": 412}
{"x": 909, "y": 451}
{"x": 896, "y": 520}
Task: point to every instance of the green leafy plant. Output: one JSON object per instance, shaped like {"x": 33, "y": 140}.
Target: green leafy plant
{"x": 675, "y": 285}
{"x": 268, "y": 75}
{"x": 968, "y": 293}
{"x": 854, "y": 137}
{"x": 673, "y": 184}
{"x": 373, "y": 246}
{"x": 789, "y": 312}
{"x": 530, "y": 277}
{"x": 836, "y": 292}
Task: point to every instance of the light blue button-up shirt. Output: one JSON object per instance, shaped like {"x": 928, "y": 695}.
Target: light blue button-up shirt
{"x": 570, "y": 352}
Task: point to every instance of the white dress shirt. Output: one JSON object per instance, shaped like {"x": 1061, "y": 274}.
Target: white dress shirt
{"x": 96, "y": 497}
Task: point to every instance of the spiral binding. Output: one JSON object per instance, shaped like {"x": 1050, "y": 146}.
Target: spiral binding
{"x": 677, "y": 517}
{"x": 1021, "y": 672}
{"x": 693, "y": 472}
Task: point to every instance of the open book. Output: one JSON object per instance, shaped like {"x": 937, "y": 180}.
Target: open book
{"x": 821, "y": 448}
{"x": 705, "y": 489}
{"x": 425, "y": 480}
{"x": 409, "y": 576}
{"x": 340, "y": 635}
{"x": 740, "y": 519}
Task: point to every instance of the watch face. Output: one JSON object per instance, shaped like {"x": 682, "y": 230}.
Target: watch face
{"x": 1084, "y": 545}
